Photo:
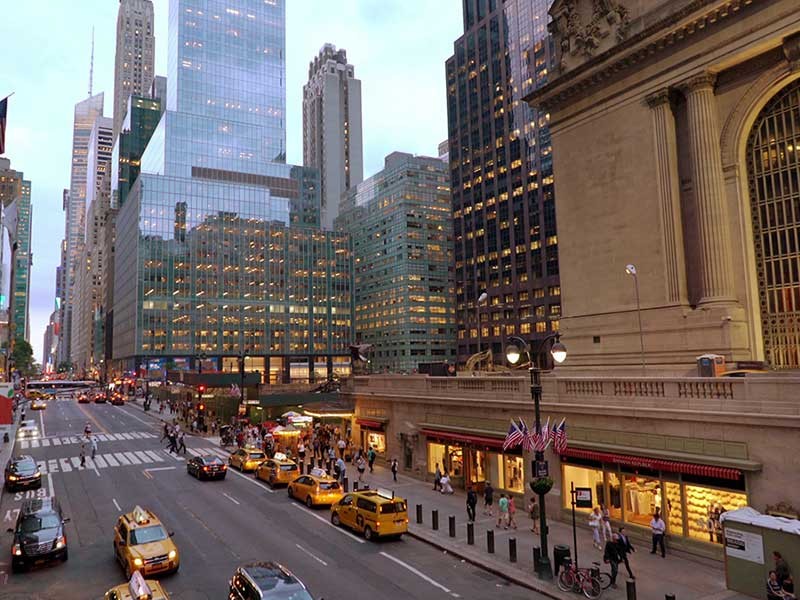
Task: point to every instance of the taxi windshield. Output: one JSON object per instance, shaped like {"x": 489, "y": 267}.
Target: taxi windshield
{"x": 393, "y": 507}
{"x": 328, "y": 485}
{"x": 34, "y": 523}
{"x": 145, "y": 535}
{"x": 255, "y": 456}
{"x": 289, "y": 467}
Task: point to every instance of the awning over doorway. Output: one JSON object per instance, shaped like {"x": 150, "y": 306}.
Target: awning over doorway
{"x": 371, "y": 423}
{"x": 656, "y": 464}
{"x": 464, "y": 438}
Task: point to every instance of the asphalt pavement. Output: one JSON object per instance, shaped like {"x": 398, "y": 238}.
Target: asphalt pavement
{"x": 218, "y": 525}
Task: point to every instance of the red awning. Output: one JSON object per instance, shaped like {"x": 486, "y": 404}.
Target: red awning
{"x": 369, "y": 423}
{"x": 477, "y": 440}
{"x": 656, "y": 464}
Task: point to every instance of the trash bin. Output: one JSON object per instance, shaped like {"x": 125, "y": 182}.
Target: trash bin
{"x": 562, "y": 556}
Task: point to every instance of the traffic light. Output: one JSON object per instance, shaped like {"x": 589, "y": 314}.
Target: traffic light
{"x": 201, "y": 389}
{"x": 201, "y": 408}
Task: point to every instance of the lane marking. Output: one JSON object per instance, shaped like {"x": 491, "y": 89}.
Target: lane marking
{"x": 56, "y": 441}
{"x": 52, "y": 465}
{"x": 50, "y": 484}
{"x": 311, "y": 554}
{"x": 251, "y": 480}
{"x": 135, "y": 417}
{"x": 160, "y": 469}
{"x": 34, "y": 443}
{"x": 328, "y": 523}
{"x": 41, "y": 419}
{"x": 119, "y": 508}
{"x": 146, "y": 474}
{"x": 45, "y": 442}
{"x": 231, "y": 498}
{"x": 416, "y": 572}
{"x": 92, "y": 419}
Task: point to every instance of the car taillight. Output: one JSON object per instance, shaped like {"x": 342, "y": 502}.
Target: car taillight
{"x": 16, "y": 550}
{"x": 224, "y": 467}
{"x": 205, "y": 468}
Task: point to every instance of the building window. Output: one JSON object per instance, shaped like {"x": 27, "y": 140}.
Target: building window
{"x": 642, "y": 495}
{"x": 435, "y": 457}
{"x": 583, "y": 477}
{"x": 704, "y": 505}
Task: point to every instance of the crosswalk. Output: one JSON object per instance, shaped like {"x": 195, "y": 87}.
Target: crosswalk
{"x": 66, "y": 440}
{"x": 124, "y": 459}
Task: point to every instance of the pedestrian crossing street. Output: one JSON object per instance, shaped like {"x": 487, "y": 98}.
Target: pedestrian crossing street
{"x": 124, "y": 459}
{"x": 65, "y": 440}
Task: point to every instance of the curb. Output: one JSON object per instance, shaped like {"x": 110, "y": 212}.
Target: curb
{"x": 486, "y": 567}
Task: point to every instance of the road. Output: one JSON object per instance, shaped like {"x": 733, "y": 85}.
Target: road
{"x": 217, "y": 525}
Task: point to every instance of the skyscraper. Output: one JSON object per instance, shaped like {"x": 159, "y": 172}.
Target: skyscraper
{"x": 15, "y": 197}
{"x": 501, "y": 176}
{"x": 135, "y": 57}
{"x": 402, "y": 233}
{"x": 218, "y": 238}
{"x": 332, "y": 127}
{"x": 86, "y": 112}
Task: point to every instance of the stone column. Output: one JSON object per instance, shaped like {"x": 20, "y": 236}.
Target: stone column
{"x": 669, "y": 196}
{"x": 716, "y": 264}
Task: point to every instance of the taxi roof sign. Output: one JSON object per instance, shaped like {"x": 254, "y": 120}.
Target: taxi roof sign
{"x": 279, "y": 456}
{"x": 138, "y": 587}
{"x": 318, "y": 472}
{"x": 384, "y": 493}
{"x": 140, "y": 515}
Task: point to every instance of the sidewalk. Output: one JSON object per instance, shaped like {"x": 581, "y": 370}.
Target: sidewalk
{"x": 688, "y": 579}
{"x": 166, "y": 417}
{"x": 7, "y": 449}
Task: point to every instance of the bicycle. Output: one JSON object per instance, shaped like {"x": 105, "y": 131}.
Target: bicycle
{"x": 582, "y": 580}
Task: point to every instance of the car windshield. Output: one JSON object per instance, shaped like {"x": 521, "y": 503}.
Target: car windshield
{"x": 145, "y": 535}
{"x": 288, "y": 467}
{"x": 256, "y": 456}
{"x": 393, "y": 507}
{"x": 23, "y": 466}
{"x": 328, "y": 485}
{"x": 33, "y": 523}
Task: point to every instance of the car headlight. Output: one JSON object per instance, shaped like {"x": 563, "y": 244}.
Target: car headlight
{"x": 172, "y": 554}
{"x": 38, "y": 474}
{"x": 61, "y": 541}
{"x": 12, "y": 477}
{"x": 138, "y": 562}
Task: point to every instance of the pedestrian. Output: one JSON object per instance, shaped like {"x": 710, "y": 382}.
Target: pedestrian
{"x": 361, "y": 466}
{"x": 625, "y": 548}
{"x": 502, "y": 512}
{"x": 472, "y": 502}
{"x": 341, "y": 466}
{"x": 181, "y": 443}
{"x": 657, "y": 528}
{"x": 488, "y": 499}
{"x": 342, "y": 445}
{"x": 512, "y": 512}
{"x": 83, "y": 454}
{"x": 371, "y": 454}
{"x": 93, "y": 442}
{"x": 394, "y": 469}
{"x": 595, "y": 517}
{"x": 533, "y": 513}
{"x": 781, "y": 567}
{"x": 165, "y": 432}
{"x": 437, "y": 478}
{"x": 194, "y": 425}
{"x": 173, "y": 442}
{"x": 444, "y": 484}
{"x": 611, "y": 555}
{"x": 605, "y": 523}
{"x": 301, "y": 452}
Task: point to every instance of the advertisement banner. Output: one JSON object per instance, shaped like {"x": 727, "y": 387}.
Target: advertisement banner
{"x": 744, "y": 545}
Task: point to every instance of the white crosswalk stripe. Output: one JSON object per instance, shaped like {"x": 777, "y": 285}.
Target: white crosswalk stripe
{"x": 100, "y": 461}
{"x": 56, "y": 441}
{"x": 194, "y": 452}
{"x": 65, "y": 440}
{"x": 23, "y": 444}
{"x": 132, "y": 458}
{"x": 153, "y": 455}
{"x": 102, "y": 437}
{"x": 112, "y": 462}
{"x": 171, "y": 455}
{"x": 65, "y": 466}
{"x": 121, "y": 458}
{"x": 45, "y": 442}
{"x": 52, "y": 465}
{"x": 76, "y": 462}
{"x": 142, "y": 456}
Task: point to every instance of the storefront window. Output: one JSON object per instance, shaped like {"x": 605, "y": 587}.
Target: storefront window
{"x": 477, "y": 470}
{"x": 435, "y": 457}
{"x": 673, "y": 516}
{"x": 614, "y": 496}
{"x": 495, "y": 475}
{"x": 514, "y": 480}
{"x": 455, "y": 463}
{"x": 642, "y": 495}
{"x": 704, "y": 506}
{"x": 583, "y": 477}
{"x": 377, "y": 441}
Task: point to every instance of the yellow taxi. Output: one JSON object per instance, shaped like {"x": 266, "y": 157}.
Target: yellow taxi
{"x": 38, "y": 404}
{"x": 247, "y": 458}
{"x": 315, "y": 488}
{"x": 374, "y": 513}
{"x": 142, "y": 543}
{"x": 137, "y": 589}
{"x": 277, "y": 470}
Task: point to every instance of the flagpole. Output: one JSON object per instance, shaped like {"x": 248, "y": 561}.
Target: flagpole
{"x": 7, "y": 97}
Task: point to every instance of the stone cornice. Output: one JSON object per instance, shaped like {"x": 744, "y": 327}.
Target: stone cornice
{"x": 653, "y": 40}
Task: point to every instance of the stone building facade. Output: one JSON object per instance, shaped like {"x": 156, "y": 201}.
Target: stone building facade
{"x": 680, "y": 117}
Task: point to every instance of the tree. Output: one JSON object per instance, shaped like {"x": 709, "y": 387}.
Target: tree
{"x": 22, "y": 357}
{"x": 64, "y": 367}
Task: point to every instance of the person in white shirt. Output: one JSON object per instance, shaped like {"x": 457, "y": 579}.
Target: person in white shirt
{"x": 657, "y": 528}
{"x": 595, "y": 522}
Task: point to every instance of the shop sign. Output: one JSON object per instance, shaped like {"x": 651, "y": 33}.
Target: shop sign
{"x": 540, "y": 468}
{"x": 744, "y": 545}
{"x": 583, "y": 497}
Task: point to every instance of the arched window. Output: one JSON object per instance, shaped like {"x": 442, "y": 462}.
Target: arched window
{"x": 773, "y": 165}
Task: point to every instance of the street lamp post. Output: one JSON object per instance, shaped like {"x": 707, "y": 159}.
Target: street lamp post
{"x": 481, "y": 299}
{"x": 631, "y": 270}
{"x": 242, "y": 357}
{"x": 514, "y": 351}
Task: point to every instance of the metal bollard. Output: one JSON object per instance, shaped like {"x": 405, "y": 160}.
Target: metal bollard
{"x": 355, "y": 485}
{"x": 452, "y": 522}
{"x": 345, "y": 485}
{"x": 301, "y": 466}
{"x": 537, "y": 557}
{"x": 471, "y": 534}
{"x": 669, "y": 597}
{"x": 630, "y": 589}
{"x": 490, "y": 541}
{"x": 435, "y": 519}
{"x": 419, "y": 513}
{"x": 512, "y": 549}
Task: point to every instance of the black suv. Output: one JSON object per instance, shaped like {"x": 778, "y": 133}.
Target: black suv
{"x": 265, "y": 580}
{"x": 39, "y": 534}
{"x": 22, "y": 472}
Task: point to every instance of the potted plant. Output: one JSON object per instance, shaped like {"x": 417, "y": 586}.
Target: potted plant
{"x": 541, "y": 485}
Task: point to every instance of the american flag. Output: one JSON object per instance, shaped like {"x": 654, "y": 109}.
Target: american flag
{"x": 560, "y": 437}
{"x": 527, "y": 441}
{"x": 3, "y": 116}
{"x": 514, "y": 437}
{"x": 235, "y": 391}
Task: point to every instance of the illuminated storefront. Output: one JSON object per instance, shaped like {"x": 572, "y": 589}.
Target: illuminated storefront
{"x": 690, "y": 496}
{"x": 373, "y": 434}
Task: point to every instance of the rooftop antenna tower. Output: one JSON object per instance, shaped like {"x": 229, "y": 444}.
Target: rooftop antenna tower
{"x": 91, "y": 65}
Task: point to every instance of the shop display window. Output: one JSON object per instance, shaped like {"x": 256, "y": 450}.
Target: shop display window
{"x": 614, "y": 504}
{"x": 642, "y": 495}
{"x": 377, "y": 441}
{"x": 704, "y": 505}
{"x": 514, "y": 474}
{"x": 495, "y": 475}
{"x": 455, "y": 461}
{"x": 673, "y": 511}
{"x": 586, "y": 478}
{"x": 477, "y": 471}
{"x": 435, "y": 456}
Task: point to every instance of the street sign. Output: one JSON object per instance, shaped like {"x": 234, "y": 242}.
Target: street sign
{"x": 541, "y": 468}
{"x": 583, "y": 497}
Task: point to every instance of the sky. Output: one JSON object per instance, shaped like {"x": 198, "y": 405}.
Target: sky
{"x": 398, "y": 48}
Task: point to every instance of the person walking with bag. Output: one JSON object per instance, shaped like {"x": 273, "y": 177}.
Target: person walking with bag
{"x": 472, "y": 502}
{"x": 512, "y": 512}
{"x": 488, "y": 499}
{"x": 533, "y": 513}
{"x": 611, "y": 555}
{"x": 595, "y": 518}
{"x": 625, "y": 548}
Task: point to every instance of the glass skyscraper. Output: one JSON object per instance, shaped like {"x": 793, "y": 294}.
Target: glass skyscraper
{"x": 218, "y": 238}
